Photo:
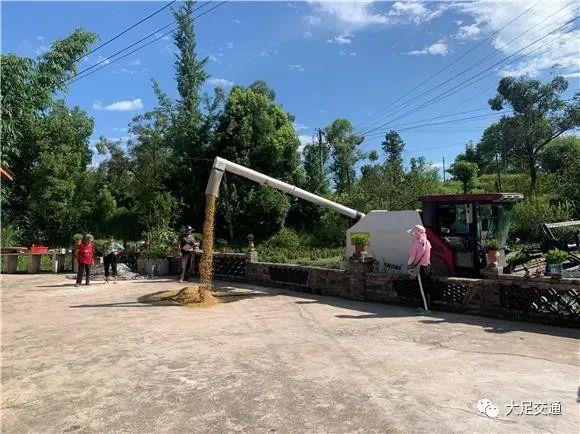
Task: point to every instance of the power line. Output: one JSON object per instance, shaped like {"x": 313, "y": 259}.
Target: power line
{"x": 440, "y": 123}
{"x": 118, "y": 35}
{"x": 107, "y": 60}
{"x": 449, "y": 64}
{"x": 140, "y": 47}
{"x": 464, "y": 84}
{"x": 447, "y": 92}
{"x": 405, "y": 104}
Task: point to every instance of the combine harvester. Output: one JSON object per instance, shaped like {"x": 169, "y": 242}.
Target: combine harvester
{"x": 456, "y": 224}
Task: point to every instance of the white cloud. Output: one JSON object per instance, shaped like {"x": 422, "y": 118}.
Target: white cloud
{"x": 236, "y": 21}
{"x": 220, "y": 82}
{"x": 267, "y": 52}
{"x": 296, "y": 67}
{"x": 344, "y": 38}
{"x": 415, "y": 12}
{"x": 307, "y": 34}
{"x": 229, "y": 45}
{"x": 120, "y": 129}
{"x": 104, "y": 60}
{"x": 135, "y": 62}
{"x": 347, "y": 53}
{"x": 437, "y": 49}
{"x": 120, "y": 106}
{"x": 213, "y": 58}
{"x": 312, "y": 20}
{"x": 558, "y": 49}
{"x": 355, "y": 14}
{"x": 300, "y": 127}
{"x": 304, "y": 140}
{"x": 471, "y": 31}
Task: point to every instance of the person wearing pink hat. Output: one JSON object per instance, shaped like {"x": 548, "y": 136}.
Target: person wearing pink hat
{"x": 419, "y": 263}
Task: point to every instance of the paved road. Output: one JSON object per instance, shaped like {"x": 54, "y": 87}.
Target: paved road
{"x": 92, "y": 359}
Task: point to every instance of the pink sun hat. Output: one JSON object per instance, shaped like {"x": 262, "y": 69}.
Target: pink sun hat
{"x": 417, "y": 228}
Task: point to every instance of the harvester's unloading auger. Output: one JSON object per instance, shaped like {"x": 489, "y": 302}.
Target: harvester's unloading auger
{"x": 220, "y": 166}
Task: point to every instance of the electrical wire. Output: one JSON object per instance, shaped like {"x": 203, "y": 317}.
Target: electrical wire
{"x": 382, "y": 110}
{"x": 79, "y": 77}
{"x": 447, "y": 92}
{"x": 489, "y": 56}
{"x": 107, "y": 60}
{"x": 118, "y": 35}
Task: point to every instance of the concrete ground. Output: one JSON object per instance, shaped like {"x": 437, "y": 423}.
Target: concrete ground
{"x": 92, "y": 359}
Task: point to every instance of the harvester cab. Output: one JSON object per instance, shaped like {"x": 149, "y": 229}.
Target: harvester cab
{"x": 457, "y": 226}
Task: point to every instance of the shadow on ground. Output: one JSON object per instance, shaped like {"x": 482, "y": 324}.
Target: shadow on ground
{"x": 490, "y": 325}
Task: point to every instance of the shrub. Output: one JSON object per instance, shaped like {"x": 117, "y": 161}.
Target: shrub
{"x": 161, "y": 242}
{"x": 556, "y": 256}
{"x": 529, "y": 213}
{"x": 285, "y": 238}
{"x": 10, "y": 235}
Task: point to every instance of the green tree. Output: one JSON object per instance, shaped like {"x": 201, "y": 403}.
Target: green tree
{"x": 26, "y": 91}
{"x": 256, "y": 132}
{"x": 393, "y": 147}
{"x": 345, "y": 154}
{"x": 466, "y": 173}
{"x": 539, "y": 116}
{"x": 55, "y": 203}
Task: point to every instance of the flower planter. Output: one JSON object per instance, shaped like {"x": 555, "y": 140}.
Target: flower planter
{"x": 492, "y": 257}
{"x": 161, "y": 267}
{"x": 150, "y": 267}
{"x": 359, "y": 248}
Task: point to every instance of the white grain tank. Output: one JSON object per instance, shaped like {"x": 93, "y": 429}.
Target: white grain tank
{"x": 389, "y": 241}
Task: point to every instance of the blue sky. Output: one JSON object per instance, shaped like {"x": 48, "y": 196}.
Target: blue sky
{"x": 324, "y": 60}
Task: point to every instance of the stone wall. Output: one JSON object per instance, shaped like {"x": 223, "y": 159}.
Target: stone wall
{"x": 538, "y": 300}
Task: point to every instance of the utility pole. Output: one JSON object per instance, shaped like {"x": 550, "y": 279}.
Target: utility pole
{"x": 498, "y": 172}
{"x": 444, "y": 170}
{"x": 320, "y": 150}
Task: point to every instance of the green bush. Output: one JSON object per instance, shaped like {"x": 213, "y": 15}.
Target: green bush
{"x": 556, "y": 256}
{"x": 532, "y": 211}
{"x": 285, "y": 238}
{"x": 323, "y": 257}
{"x": 161, "y": 242}
{"x": 10, "y": 235}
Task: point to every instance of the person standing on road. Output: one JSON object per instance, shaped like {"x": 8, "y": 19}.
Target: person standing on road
{"x": 85, "y": 258}
{"x": 110, "y": 251}
{"x": 419, "y": 263}
{"x": 187, "y": 245}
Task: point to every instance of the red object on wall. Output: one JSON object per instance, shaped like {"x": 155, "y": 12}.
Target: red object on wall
{"x": 441, "y": 250}
{"x": 38, "y": 249}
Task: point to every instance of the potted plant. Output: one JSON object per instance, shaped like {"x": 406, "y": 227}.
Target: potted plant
{"x": 77, "y": 238}
{"x": 360, "y": 241}
{"x": 555, "y": 258}
{"x": 491, "y": 246}
{"x": 251, "y": 242}
{"x": 222, "y": 244}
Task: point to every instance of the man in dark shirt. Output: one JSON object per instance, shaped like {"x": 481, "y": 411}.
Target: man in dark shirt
{"x": 187, "y": 245}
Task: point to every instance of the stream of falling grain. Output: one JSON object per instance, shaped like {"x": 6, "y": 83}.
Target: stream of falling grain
{"x": 206, "y": 266}
{"x": 201, "y": 294}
